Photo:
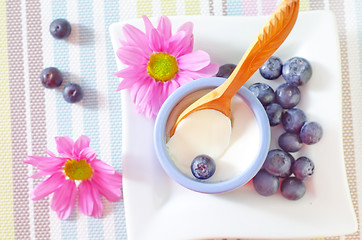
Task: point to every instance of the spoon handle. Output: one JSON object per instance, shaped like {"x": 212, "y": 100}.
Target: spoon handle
{"x": 272, "y": 35}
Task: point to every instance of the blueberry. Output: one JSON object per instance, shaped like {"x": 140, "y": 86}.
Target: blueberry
{"x": 311, "y": 133}
{"x": 287, "y": 96}
{"x": 263, "y": 92}
{"x": 72, "y": 93}
{"x": 278, "y": 163}
{"x": 297, "y": 71}
{"x": 225, "y": 70}
{"x": 293, "y": 120}
{"x": 290, "y": 142}
{"x": 265, "y": 184}
{"x": 303, "y": 168}
{"x": 203, "y": 167}
{"x": 274, "y": 112}
{"x": 293, "y": 188}
{"x": 51, "y": 77}
{"x": 60, "y": 28}
{"x": 272, "y": 68}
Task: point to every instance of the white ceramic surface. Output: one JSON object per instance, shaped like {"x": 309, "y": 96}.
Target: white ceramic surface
{"x": 156, "y": 207}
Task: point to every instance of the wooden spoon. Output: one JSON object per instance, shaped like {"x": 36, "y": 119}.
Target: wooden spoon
{"x": 272, "y": 35}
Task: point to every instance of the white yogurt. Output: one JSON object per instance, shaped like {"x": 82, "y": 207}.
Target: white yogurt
{"x": 233, "y": 145}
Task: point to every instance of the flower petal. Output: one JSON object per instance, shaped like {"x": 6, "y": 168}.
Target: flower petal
{"x": 142, "y": 92}
{"x": 136, "y": 38}
{"x": 188, "y": 46}
{"x": 87, "y": 153}
{"x": 209, "y": 70}
{"x": 40, "y": 174}
{"x": 164, "y": 27}
{"x": 85, "y": 199}
{"x": 99, "y": 165}
{"x": 176, "y": 43}
{"x": 48, "y": 164}
{"x": 81, "y": 143}
{"x": 147, "y": 96}
{"x": 131, "y": 72}
{"x": 131, "y": 55}
{"x": 48, "y": 186}
{"x": 194, "y": 61}
{"x": 187, "y": 28}
{"x": 111, "y": 192}
{"x": 64, "y": 199}
{"x": 148, "y": 25}
{"x": 64, "y": 145}
{"x": 97, "y": 203}
{"x": 183, "y": 78}
{"x": 157, "y": 42}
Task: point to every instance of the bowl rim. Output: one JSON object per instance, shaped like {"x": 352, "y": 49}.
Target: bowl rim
{"x": 199, "y": 185}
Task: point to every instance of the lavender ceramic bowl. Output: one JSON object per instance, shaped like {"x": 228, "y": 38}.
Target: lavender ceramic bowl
{"x": 193, "y": 183}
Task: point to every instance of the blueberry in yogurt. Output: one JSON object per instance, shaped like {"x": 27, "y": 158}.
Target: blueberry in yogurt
{"x": 203, "y": 167}
{"x": 272, "y": 68}
{"x": 297, "y": 71}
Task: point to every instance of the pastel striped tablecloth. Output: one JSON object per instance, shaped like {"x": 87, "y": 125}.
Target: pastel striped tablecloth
{"x": 32, "y": 116}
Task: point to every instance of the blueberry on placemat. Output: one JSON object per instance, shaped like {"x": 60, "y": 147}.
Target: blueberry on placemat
{"x": 51, "y": 77}
{"x": 72, "y": 93}
{"x": 60, "y": 28}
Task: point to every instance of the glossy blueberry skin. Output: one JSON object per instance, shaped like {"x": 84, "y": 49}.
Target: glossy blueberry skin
{"x": 265, "y": 184}
{"x": 72, "y": 93}
{"x": 225, "y": 70}
{"x": 293, "y": 188}
{"x": 278, "y": 163}
{"x": 272, "y": 68}
{"x": 297, "y": 71}
{"x": 274, "y": 112}
{"x": 290, "y": 142}
{"x": 60, "y": 28}
{"x": 311, "y": 133}
{"x": 263, "y": 92}
{"x": 287, "y": 96}
{"x": 203, "y": 167}
{"x": 303, "y": 168}
{"x": 293, "y": 120}
{"x": 51, "y": 77}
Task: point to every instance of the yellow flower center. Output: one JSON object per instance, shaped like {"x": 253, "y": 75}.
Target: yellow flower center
{"x": 78, "y": 169}
{"x": 162, "y": 67}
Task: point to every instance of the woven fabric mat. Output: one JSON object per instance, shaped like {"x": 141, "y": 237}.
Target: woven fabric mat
{"x": 32, "y": 116}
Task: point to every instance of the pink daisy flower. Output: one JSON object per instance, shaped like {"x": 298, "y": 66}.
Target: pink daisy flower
{"x": 76, "y": 171}
{"x": 158, "y": 62}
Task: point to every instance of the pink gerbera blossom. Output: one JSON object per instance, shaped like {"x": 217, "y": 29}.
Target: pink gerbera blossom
{"x": 158, "y": 62}
{"x": 76, "y": 171}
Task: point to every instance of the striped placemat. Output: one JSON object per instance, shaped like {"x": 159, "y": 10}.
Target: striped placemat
{"x": 32, "y": 116}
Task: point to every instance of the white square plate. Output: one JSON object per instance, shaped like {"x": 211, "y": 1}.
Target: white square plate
{"x": 156, "y": 207}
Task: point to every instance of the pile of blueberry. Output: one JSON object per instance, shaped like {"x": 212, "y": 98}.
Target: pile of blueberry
{"x": 51, "y": 77}
{"x": 280, "y": 106}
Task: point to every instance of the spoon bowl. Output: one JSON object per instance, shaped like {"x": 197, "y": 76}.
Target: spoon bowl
{"x": 272, "y": 35}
